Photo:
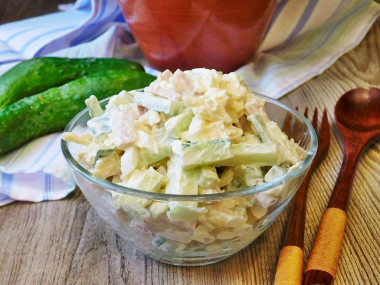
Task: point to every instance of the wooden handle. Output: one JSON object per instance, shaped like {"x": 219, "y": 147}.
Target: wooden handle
{"x": 290, "y": 266}
{"x": 324, "y": 257}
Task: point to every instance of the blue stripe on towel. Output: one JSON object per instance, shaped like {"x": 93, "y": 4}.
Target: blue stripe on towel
{"x": 27, "y": 44}
{"x": 8, "y": 51}
{"x": 279, "y": 8}
{"x": 302, "y": 22}
{"x": 6, "y": 183}
{"x": 93, "y": 27}
{"x": 15, "y": 35}
{"x": 48, "y": 186}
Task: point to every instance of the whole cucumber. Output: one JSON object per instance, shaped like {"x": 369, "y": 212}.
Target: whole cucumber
{"x": 39, "y": 74}
{"x": 51, "y": 110}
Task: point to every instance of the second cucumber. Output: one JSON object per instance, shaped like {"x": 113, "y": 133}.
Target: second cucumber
{"x": 51, "y": 110}
{"x": 39, "y": 74}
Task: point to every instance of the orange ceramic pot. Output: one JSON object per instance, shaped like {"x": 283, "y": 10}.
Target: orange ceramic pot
{"x": 185, "y": 34}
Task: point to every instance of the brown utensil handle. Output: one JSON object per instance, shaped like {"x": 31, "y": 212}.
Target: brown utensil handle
{"x": 323, "y": 261}
{"x": 290, "y": 266}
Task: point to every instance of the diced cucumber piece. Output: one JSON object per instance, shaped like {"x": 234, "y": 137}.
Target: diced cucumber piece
{"x": 260, "y": 128}
{"x": 148, "y": 156}
{"x": 274, "y": 172}
{"x": 158, "y": 208}
{"x": 159, "y": 104}
{"x": 183, "y": 182}
{"x": 269, "y": 131}
{"x": 129, "y": 161}
{"x": 264, "y": 154}
{"x": 147, "y": 180}
{"x": 103, "y": 152}
{"x": 202, "y": 153}
{"x": 92, "y": 103}
{"x": 223, "y": 153}
{"x": 178, "y": 124}
{"x": 181, "y": 211}
{"x": 131, "y": 204}
{"x": 99, "y": 125}
{"x": 251, "y": 175}
{"x": 135, "y": 205}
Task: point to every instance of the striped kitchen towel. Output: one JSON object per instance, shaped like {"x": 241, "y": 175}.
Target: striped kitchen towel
{"x": 304, "y": 39}
{"x": 37, "y": 172}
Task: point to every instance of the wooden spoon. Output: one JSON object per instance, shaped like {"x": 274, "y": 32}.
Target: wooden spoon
{"x": 357, "y": 115}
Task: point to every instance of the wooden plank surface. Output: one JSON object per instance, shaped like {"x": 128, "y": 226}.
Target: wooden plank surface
{"x": 65, "y": 242}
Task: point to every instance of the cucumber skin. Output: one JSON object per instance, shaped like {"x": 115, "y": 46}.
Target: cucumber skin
{"x": 51, "y": 110}
{"x": 39, "y": 74}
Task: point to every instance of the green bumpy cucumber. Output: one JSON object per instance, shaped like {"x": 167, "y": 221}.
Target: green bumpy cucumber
{"x": 39, "y": 74}
{"x": 50, "y": 111}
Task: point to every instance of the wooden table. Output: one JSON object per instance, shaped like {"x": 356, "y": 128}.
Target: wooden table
{"x": 65, "y": 242}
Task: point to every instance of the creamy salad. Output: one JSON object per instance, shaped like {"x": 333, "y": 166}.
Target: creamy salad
{"x": 190, "y": 132}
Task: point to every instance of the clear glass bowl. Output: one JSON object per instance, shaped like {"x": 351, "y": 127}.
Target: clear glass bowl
{"x": 170, "y": 242}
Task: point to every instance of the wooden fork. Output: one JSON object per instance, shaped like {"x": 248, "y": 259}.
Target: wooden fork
{"x": 290, "y": 263}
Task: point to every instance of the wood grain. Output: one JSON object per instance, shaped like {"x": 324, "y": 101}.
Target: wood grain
{"x": 65, "y": 242}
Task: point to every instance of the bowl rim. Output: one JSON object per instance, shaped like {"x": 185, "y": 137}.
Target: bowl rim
{"x": 119, "y": 189}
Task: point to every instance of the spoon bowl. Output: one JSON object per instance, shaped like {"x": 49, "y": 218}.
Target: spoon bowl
{"x": 359, "y": 109}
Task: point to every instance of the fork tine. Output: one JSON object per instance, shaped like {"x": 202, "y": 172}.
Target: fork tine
{"x": 306, "y": 112}
{"x": 286, "y": 127}
{"x": 325, "y": 128}
{"x": 297, "y": 124}
{"x": 314, "y": 122}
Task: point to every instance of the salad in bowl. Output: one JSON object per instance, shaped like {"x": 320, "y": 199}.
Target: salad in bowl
{"x": 193, "y": 167}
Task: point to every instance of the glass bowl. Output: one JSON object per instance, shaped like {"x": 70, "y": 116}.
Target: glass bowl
{"x": 213, "y": 236}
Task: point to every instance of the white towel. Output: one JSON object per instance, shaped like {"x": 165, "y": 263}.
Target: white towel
{"x": 304, "y": 39}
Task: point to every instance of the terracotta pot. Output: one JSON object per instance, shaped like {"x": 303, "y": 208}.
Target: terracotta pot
{"x": 185, "y": 34}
